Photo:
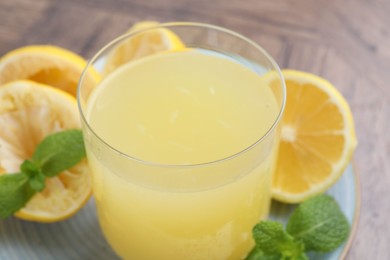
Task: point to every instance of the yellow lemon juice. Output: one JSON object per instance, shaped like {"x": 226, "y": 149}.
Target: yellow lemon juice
{"x": 166, "y": 193}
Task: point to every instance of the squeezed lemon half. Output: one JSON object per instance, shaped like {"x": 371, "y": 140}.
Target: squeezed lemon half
{"x": 143, "y": 44}
{"x": 30, "y": 111}
{"x": 45, "y": 64}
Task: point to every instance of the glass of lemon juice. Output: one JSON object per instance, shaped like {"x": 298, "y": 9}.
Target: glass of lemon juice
{"x": 181, "y": 136}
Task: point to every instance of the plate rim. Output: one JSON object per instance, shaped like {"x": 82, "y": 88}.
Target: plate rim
{"x": 356, "y": 215}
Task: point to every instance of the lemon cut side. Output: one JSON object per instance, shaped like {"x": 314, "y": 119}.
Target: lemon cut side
{"x": 317, "y": 138}
{"x": 30, "y": 111}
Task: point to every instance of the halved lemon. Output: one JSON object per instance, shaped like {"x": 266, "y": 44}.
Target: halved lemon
{"x": 143, "y": 44}
{"x": 317, "y": 138}
{"x": 46, "y": 64}
{"x": 30, "y": 111}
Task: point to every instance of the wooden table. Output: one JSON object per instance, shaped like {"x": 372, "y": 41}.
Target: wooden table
{"x": 347, "y": 42}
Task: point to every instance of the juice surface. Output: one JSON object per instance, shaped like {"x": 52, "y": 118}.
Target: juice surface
{"x": 182, "y": 108}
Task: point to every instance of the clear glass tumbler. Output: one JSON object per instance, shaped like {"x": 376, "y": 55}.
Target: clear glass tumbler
{"x": 182, "y": 134}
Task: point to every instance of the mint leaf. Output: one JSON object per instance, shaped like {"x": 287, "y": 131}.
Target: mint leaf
{"x": 272, "y": 239}
{"x": 37, "y": 182}
{"x": 319, "y": 223}
{"x": 59, "y": 151}
{"x": 29, "y": 167}
{"x": 302, "y": 256}
{"x": 15, "y": 192}
{"x": 36, "y": 177}
{"x": 257, "y": 254}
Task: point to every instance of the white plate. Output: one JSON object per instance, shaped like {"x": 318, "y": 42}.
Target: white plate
{"x": 80, "y": 236}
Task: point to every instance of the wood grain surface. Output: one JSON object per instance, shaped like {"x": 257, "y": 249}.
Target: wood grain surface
{"x": 347, "y": 42}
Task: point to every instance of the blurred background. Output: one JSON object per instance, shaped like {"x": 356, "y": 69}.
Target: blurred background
{"x": 344, "y": 41}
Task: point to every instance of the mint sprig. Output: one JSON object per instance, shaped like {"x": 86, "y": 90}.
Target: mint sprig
{"x": 273, "y": 240}
{"x": 56, "y": 153}
{"x": 315, "y": 225}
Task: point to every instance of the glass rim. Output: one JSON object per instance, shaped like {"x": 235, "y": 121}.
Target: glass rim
{"x": 181, "y": 24}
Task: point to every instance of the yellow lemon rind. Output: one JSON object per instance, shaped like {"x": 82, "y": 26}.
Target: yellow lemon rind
{"x": 27, "y": 61}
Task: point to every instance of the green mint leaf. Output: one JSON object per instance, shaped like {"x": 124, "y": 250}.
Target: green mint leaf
{"x": 29, "y": 167}
{"x": 258, "y": 254}
{"x": 319, "y": 223}
{"x": 36, "y": 177}
{"x": 255, "y": 254}
{"x": 272, "y": 239}
{"x": 15, "y": 192}
{"x": 59, "y": 151}
{"x": 37, "y": 182}
{"x": 301, "y": 256}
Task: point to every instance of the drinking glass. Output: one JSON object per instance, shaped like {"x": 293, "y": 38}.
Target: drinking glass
{"x": 189, "y": 208}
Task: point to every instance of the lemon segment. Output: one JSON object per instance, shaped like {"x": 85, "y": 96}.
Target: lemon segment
{"x": 317, "y": 138}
